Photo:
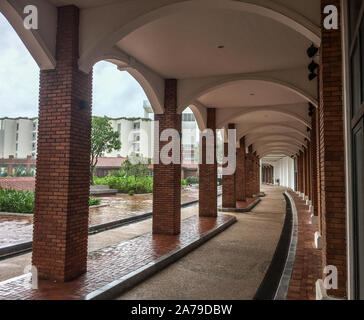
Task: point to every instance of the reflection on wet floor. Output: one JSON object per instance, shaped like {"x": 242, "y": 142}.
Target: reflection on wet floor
{"x": 20, "y": 228}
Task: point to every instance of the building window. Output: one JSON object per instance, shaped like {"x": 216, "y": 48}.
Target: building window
{"x": 188, "y": 117}
{"x": 34, "y": 126}
{"x": 34, "y": 136}
{"x": 16, "y": 147}
{"x": 17, "y": 126}
{"x": 33, "y": 146}
{"x": 136, "y": 125}
{"x": 17, "y": 137}
{"x": 119, "y": 127}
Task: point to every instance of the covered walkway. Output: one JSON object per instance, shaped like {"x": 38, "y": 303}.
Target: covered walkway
{"x": 240, "y": 259}
{"x": 273, "y": 75}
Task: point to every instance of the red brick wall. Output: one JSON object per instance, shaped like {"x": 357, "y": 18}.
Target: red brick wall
{"x": 250, "y": 174}
{"x": 314, "y": 162}
{"x": 228, "y": 183}
{"x": 167, "y": 178}
{"x": 208, "y": 174}
{"x": 62, "y": 182}
{"x": 240, "y": 172}
{"x": 332, "y": 152}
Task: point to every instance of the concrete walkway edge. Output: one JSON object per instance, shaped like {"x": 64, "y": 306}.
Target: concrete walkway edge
{"x": 119, "y": 286}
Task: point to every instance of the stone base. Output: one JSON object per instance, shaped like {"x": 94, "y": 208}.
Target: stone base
{"x": 314, "y": 219}
{"x": 240, "y": 210}
{"x": 318, "y": 240}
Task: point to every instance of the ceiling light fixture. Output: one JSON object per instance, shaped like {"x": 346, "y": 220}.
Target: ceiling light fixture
{"x": 221, "y": 47}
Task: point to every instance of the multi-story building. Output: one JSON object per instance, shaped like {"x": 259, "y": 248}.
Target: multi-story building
{"x": 18, "y": 136}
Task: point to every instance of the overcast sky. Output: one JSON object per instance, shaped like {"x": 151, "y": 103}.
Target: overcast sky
{"x": 115, "y": 93}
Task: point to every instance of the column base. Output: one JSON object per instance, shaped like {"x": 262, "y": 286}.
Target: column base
{"x": 314, "y": 219}
{"x": 318, "y": 240}
{"x": 321, "y": 292}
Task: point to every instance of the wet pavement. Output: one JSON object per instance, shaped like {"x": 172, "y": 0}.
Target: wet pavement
{"x": 17, "y": 229}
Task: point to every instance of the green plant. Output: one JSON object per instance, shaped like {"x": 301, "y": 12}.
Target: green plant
{"x": 19, "y": 201}
{"x": 131, "y": 192}
{"x": 125, "y": 184}
{"x": 103, "y": 139}
{"x": 16, "y": 201}
{"x": 93, "y": 201}
{"x": 184, "y": 182}
{"x": 192, "y": 180}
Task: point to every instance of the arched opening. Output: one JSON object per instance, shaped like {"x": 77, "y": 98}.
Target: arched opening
{"x": 19, "y": 94}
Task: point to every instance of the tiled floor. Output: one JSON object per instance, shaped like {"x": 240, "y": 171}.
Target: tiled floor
{"x": 307, "y": 268}
{"x": 244, "y": 204}
{"x": 110, "y": 263}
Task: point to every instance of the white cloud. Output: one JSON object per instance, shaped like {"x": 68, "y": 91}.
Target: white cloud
{"x": 115, "y": 93}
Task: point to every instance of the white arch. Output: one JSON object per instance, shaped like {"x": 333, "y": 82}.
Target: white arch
{"x": 200, "y": 113}
{"x": 268, "y": 153}
{"x": 149, "y": 12}
{"x": 152, "y": 84}
{"x": 263, "y": 137}
{"x": 40, "y": 43}
{"x": 277, "y": 143}
{"x": 247, "y": 111}
{"x": 288, "y": 151}
{"x": 283, "y": 127}
{"x": 192, "y": 89}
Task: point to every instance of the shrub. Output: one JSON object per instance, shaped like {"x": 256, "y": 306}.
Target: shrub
{"x": 126, "y": 184}
{"x": 184, "y": 182}
{"x": 18, "y": 201}
{"x": 192, "y": 180}
{"x": 94, "y": 201}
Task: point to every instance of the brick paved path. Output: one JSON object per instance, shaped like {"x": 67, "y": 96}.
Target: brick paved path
{"x": 15, "y": 230}
{"x": 308, "y": 265}
{"x": 110, "y": 263}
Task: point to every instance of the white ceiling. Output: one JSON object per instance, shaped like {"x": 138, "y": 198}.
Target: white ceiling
{"x": 248, "y": 93}
{"x": 185, "y": 45}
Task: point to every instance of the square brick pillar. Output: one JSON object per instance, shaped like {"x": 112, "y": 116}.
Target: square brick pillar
{"x": 167, "y": 178}
{"x": 314, "y": 163}
{"x": 63, "y": 164}
{"x": 250, "y": 173}
{"x": 300, "y": 178}
{"x": 240, "y": 172}
{"x": 208, "y": 173}
{"x": 333, "y": 199}
{"x": 228, "y": 181}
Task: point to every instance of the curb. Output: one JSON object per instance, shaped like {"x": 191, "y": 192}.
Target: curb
{"x": 15, "y": 249}
{"x": 126, "y": 282}
{"x": 241, "y": 210}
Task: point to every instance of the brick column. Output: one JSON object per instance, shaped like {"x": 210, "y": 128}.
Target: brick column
{"x": 240, "y": 172}
{"x": 63, "y": 162}
{"x": 332, "y": 151}
{"x": 208, "y": 173}
{"x": 228, "y": 182}
{"x": 300, "y": 172}
{"x": 314, "y": 163}
{"x": 250, "y": 173}
{"x": 167, "y": 178}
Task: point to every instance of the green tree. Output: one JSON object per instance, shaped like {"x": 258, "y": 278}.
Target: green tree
{"x": 103, "y": 139}
{"x": 135, "y": 166}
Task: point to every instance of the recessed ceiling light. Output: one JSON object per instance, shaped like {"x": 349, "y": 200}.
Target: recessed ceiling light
{"x": 220, "y": 47}
{"x": 252, "y": 94}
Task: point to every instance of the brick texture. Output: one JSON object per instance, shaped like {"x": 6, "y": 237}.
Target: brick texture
{"x": 240, "y": 172}
{"x": 63, "y": 162}
{"x": 314, "y": 192}
{"x": 208, "y": 174}
{"x": 332, "y": 152}
{"x": 250, "y": 173}
{"x": 167, "y": 178}
{"x": 228, "y": 183}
